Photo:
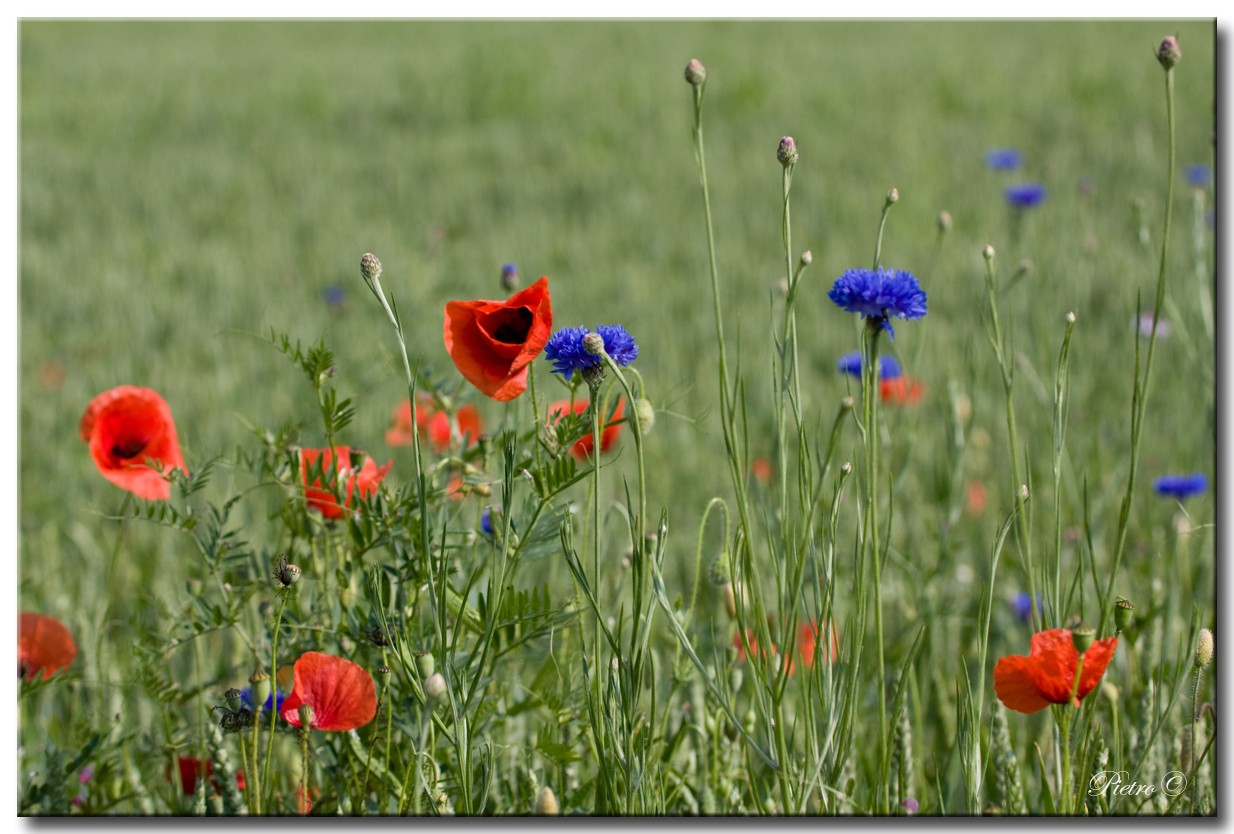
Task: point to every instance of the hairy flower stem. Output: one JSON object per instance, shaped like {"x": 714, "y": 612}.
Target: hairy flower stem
{"x": 1139, "y": 392}
{"x": 1064, "y": 752}
{"x": 303, "y": 801}
{"x": 274, "y": 713}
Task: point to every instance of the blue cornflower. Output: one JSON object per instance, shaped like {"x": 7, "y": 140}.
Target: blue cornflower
{"x": 1023, "y": 607}
{"x": 1003, "y": 159}
{"x": 1025, "y": 195}
{"x": 565, "y": 348}
{"x": 246, "y": 695}
{"x": 888, "y": 367}
{"x": 334, "y": 296}
{"x": 880, "y": 294}
{"x": 486, "y": 521}
{"x": 1180, "y": 486}
{"x": 1198, "y": 175}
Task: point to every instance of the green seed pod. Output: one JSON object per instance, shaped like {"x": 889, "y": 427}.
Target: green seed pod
{"x": 260, "y": 682}
{"x": 1083, "y": 637}
{"x": 1124, "y": 613}
{"x": 232, "y": 697}
{"x": 426, "y": 664}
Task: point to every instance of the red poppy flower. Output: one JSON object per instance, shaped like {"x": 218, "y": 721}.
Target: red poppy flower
{"x": 43, "y": 645}
{"x": 1046, "y": 676}
{"x": 126, "y": 427}
{"x": 433, "y": 425}
{"x": 807, "y": 640}
{"x": 900, "y": 391}
{"x": 493, "y": 342}
{"x": 192, "y": 769}
{"x": 583, "y": 446}
{"x": 366, "y": 480}
{"x": 340, "y": 692}
{"x": 762, "y": 470}
{"x": 975, "y": 497}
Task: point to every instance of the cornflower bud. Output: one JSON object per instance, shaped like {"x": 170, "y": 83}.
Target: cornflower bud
{"x": 1169, "y": 53}
{"x": 593, "y": 343}
{"x": 696, "y": 73}
{"x": 787, "y": 152}
{"x": 807, "y": 258}
{"x": 370, "y": 268}
{"x": 893, "y": 196}
{"x": 988, "y": 252}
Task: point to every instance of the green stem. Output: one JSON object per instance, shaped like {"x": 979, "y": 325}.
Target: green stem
{"x": 274, "y": 682}
{"x": 869, "y": 397}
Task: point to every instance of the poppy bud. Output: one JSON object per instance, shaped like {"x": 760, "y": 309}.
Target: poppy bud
{"x": 1124, "y": 612}
{"x": 1169, "y": 53}
{"x": 546, "y": 803}
{"x": 232, "y": 697}
{"x": 646, "y": 415}
{"x": 696, "y": 73}
{"x": 1083, "y": 637}
{"x": 944, "y": 221}
{"x": 893, "y": 196}
{"x": 593, "y": 375}
{"x": 370, "y": 269}
{"x": 434, "y": 686}
{"x": 988, "y": 252}
{"x": 1204, "y": 649}
{"x": 807, "y": 258}
{"x": 1070, "y": 317}
{"x": 730, "y": 601}
{"x": 848, "y": 402}
{"x": 846, "y": 467}
{"x": 787, "y": 152}
{"x": 260, "y": 682}
{"x": 425, "y": 663}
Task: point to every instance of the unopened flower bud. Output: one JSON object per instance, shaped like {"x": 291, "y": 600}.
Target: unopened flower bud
{"x": 1083, "y": 637}
{"x": 1204, "y": 649}
{"x": 1169, "y": 53}
{"x": 846, "y": 468}
{"x": 893, "y": 196}
{"x": 1124, "y": 613}
{"x": 696, "y": 73}
{"x": 787, "y": 152}
{"x": 260, "y": 682}
{"x": 807, "y": 258}
{"x": 593, "y": 375}
{"x": 434, "y": 686}
{"x": 370, "y": 268}
{"x": 988, "y": 252}
{"x": 426, "y": 664}
{"x": 1023, "y": 492}
{"x": 730, "y": 601}
{"x": 546, "y": 803}
{"x": 848, "y": 402}
{"x": 646, "y": 415}
{"x": 593, "y": 343}
{"x": 944, "y": 221}
{"x": 1070, "y": 318}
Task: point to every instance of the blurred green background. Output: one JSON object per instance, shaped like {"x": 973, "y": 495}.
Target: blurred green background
{"x": 187, "y": 186}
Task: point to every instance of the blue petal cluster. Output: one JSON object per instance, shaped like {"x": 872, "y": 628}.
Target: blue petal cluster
{"x": 1180, "y": 486}
{"x": 888, "y": 367}
{"x": 486, "y": 521}
{"x": 565, "y": 348}
{"x": 246, "y": 695}
{"x": 1003, "y": 159}
{"x": 879, "y": 294}
{"x": 1023, "y": 606}
{"x": 1198, "y": 175}
{"x": 1025, "y": 195}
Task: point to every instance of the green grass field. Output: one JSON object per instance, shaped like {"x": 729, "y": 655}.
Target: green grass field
{"x": 188, "y": 187}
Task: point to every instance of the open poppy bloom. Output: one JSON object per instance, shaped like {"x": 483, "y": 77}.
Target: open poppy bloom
{"x": 493, "y": 342}
{"x": 807, "y": 642}
{"x": 902, "y": 390}
{"x": 127, "y": 427}
{"x": 433, "y": 425}
{"x": 583, "y": 447}
{"x": 1047, "y": 675}
{"x": 340, "y": 692}
{"x": 193, "y": 769}
{"x": 319, "y": 462}
{"x": 44, "y": 646}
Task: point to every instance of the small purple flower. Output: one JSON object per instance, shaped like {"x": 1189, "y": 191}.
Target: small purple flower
{"x": 566, "y": 351}
{"x": 1025, "y": 195}
{"x": 910, "y": 806}
{"x": 1144, "y": 323}
{"x": 1180, "y": 486}
{"x": 87, "y": 773}
{"x": 509, "y": 277}
{"x": 1003, "y": 159}
{"x": 1198, "y": 175}
{"x": 879, "y": 294}
{"x": 246, "y": 695}
{"x": 334, "y": 296}
{"x": 888, "y": 367}
{"x": 1023, "y": 607}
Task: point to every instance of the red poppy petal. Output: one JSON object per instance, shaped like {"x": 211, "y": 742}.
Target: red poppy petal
{"x": 469, "y": 424}
{"x": 439, "y": 431}
{"x": 1096, "y": 659}
{"x": 1015, "y": 684}
{"x": 492, "y": 342}
{"x": 291, "y": 708}
{"x": 1054, "y": 659}
{"x": 44, "y": 645}
{"x": 126, "y": 427}
{"x": 341, "y": 693}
